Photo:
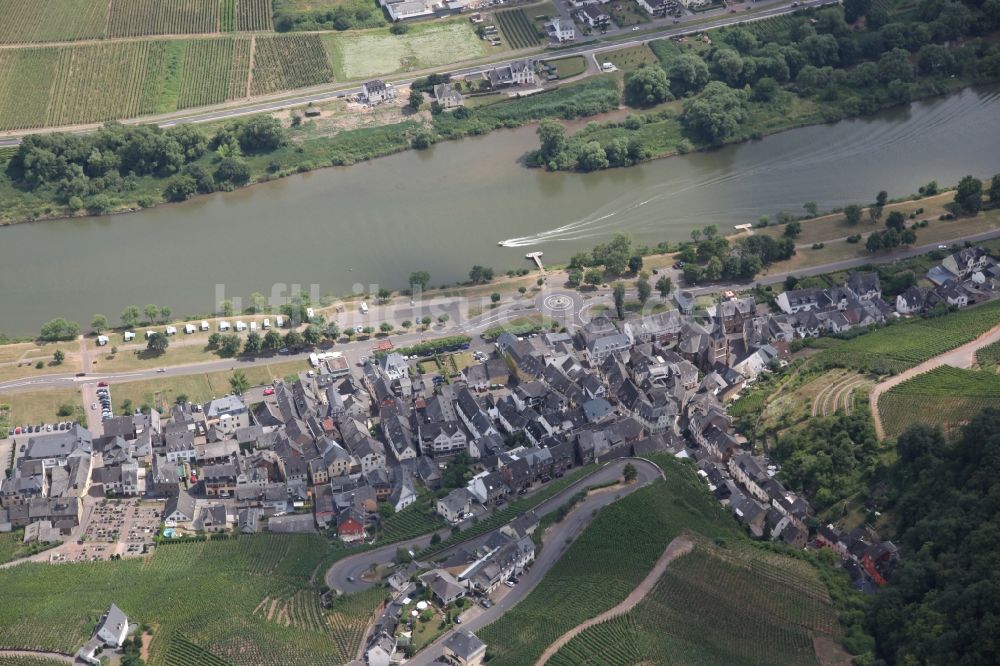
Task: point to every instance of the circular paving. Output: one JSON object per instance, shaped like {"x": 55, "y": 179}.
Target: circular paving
{"x": 557, "y": 302}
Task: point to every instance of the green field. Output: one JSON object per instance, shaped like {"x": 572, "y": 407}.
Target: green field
{"x": 989, "y": 356}
{"x": 518, "y": 29}
{"x": 369, "y": 53}
{"x": 247, "y": 600}
{"x": 282, "y": 62}
{"x": 716, "y": 605}
{"x": 904, "y": 345}
{"x": 567, "y": 67}
{"x": 945, "y": 397}
{"x": 26, "y": 21}
{"x": 607, "y": 561}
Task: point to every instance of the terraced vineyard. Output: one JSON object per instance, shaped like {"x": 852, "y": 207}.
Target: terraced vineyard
{"x": 137, "y": 18}
{"x": 945, "y": 397}
{"x": 772, "y": 606}
{"x": 6, "y": 660}
{"x": 282, "y": 62}
{"x": 196, "y": 593}
{"x": 416, "y": 519}
{"x": 183, "y": 652}
{"x": 989, "y": 356}
{"x": 518, "y": 28}
{"x": 632, "y": 533}
{"x": 25, "y": 21}
{"x": 904, "y": 345}
{"x": 768, "y": 29}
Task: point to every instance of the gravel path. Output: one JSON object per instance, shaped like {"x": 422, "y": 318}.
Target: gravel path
{"x": 676, "y": 548}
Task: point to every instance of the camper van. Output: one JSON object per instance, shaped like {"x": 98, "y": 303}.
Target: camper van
{"x": 364, "y": 308}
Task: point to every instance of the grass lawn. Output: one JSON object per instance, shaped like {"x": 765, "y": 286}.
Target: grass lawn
{"x": 571, "y": 66}
{"x": 161, "y": 393}
{"x": 630, "y": 58}
{"x": 362, "y": 54}
{"x": 40, "y": 406}
{"x": 136, "y": 358}
{"x": 627, "y": 13}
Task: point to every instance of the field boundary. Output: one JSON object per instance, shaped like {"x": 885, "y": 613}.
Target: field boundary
{"x": 964, "y": 354}
{"x": 678, "y": 547}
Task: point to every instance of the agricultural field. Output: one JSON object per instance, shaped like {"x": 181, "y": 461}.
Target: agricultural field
{"x": 10, "y": 542}
{"x": 416, "y": 519}
{"x": 945, "y": 397}
{"x": 369, "y": 53}
{"x": 988, "y": 357}
{"x": 629, "y": 59}
{"x": 282, "y": 62}
{"x": 760, "y": 594}
{"x": 632, "y": 533}
{"x": 518, "y": 29}
{"x": 772, "y": 28}
{"x": 27, "y": 21}
{"x": 55, "y": 607}
{"x": 906, "y": 344}
{"x": 254, "y": 15}
{"x": 215, "y": 70}
{"x": 138, "y": 18}
{"x": 8, "y": 660}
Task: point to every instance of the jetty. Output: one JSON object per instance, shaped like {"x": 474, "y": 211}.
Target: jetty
{"x": 537, "y": 258}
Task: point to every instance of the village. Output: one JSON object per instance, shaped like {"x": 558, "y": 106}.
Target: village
{"x": 342, "y": 449}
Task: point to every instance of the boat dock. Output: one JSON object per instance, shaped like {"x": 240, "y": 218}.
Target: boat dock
{"x": 537, "y": 258}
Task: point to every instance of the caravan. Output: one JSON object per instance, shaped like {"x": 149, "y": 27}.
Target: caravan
{"x": 364, "y": 308}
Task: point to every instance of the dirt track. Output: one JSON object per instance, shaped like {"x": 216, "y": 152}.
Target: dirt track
{"x": 676, "y": 548}
{"x": 959, "y": 357}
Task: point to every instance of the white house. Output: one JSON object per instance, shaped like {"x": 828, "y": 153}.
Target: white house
{"x": 190, "y": 328}
{"x": 102, "y": 340}
{"x": 129, "y": 336}
{"x": 454, "y": 505}
{"x": 377, "y": 91}
{"x": 561, "y": 30}
{"x": 224, "y": 326}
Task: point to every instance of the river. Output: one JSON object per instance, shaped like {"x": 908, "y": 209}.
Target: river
{"x": 444, "y": 209}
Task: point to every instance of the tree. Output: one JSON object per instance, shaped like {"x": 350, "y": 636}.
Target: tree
{"x": 272, "y": 340}
{"x": 262, "y": 133}
{"x": 664, "y": 285}
{"x": 634, "y": 264}
{"x": 969, "y": 195}
{"x": 422, "y": 140}
{"x": 238, "y": 382}
{"x": 312, "y": 336}
{"x": 874, "y": 242}
{"x": 630, "y": 473}
{"x": 480, "y": 274}
{"x": 59, "y": 329}
{"x": 384, "y": 293}
{"x": 151, "y": 311}
{"x": 647, "y": 86}
{"x": 253, "y": 344}
{"x": 728, "y": 65}
{"x": 230, "y": 345}
{"x": 793, "y": 229}
{"x": 811, "y": 208}
{"x": 181, "y": 399}
{"x": 232, "y": 170}
{"x": 420, "y": 279}
{"x": 614, "y": 255}
{"x": 130, "y": 317}
{"x": 592, "y": 157}
{"x": 416, "y": 99}
{"x": 331, "y": 331}
{"x": 643, "y": 288}
{"x": 852, "y": 213}
{"x": 180, "y": 188}
{"x": 59, "y": 357}
{"x": 855, "y": 9}
{"x": 385, "y": 327}
{"x": 594, "y": 277}
{"x": 618, "y": 293}
{"x": 293, "y": 339}
{"x": 716, "y": 115}
{"x": 552, "y": 135}
{"x": 157, "y": 343}
{"x": 443, "y": 318}
{"x": 688, "y": 73}
{"x": 895, "y": 220}
{"x": 495, "y": 297}
{"x": 214, "y": 340}
{"x": 99, "y": 323}
{"x": 574, "y": 277}
{"x": 994, "y": 191}
{"x": 165, "y": 314}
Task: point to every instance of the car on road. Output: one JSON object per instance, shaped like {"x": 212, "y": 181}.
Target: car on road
{"x": 102, "y": 383}
{"x": 162, "y": 370}
{"x": 486, "y": 603}
{"x": 350, "y": 579}
{"x": 458, "y": 620}
{"x": 942, "y": 247}
{"x": 635, "y": 28}
{"x": 679, "y": 264}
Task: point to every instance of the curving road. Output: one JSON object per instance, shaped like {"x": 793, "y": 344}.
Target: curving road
{"x": 557, "y": 540}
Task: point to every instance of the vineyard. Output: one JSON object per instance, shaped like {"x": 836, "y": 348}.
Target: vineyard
{"x": 989, "y": 356}
{"x": 416, "y": 519}
{"x": 954, "y": 396}
{"x": 518, "y": 29}
{"x": 771, "y": 605}
{"x": 632, "y": 533}
{"x": 7, "y": 660}
{"x": 774, "y": 27}
{"x": 254, "y": 15}
{"x": 183, "y": 652}
{"x": 282, "y": 62}
{"x": 137, "y": 18}
{"x": 26, "y": 21}
{"x": 199, "y": 595}
{"x": 215, "y": 70}
{"x": 904, "y": 345}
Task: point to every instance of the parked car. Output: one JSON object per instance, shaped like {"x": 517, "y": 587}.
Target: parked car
{"x": 269, "y": 391}
{"x": 509, "y": 583}
{"x": 102, "y": 383}
{"x": 486, "y": 603}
